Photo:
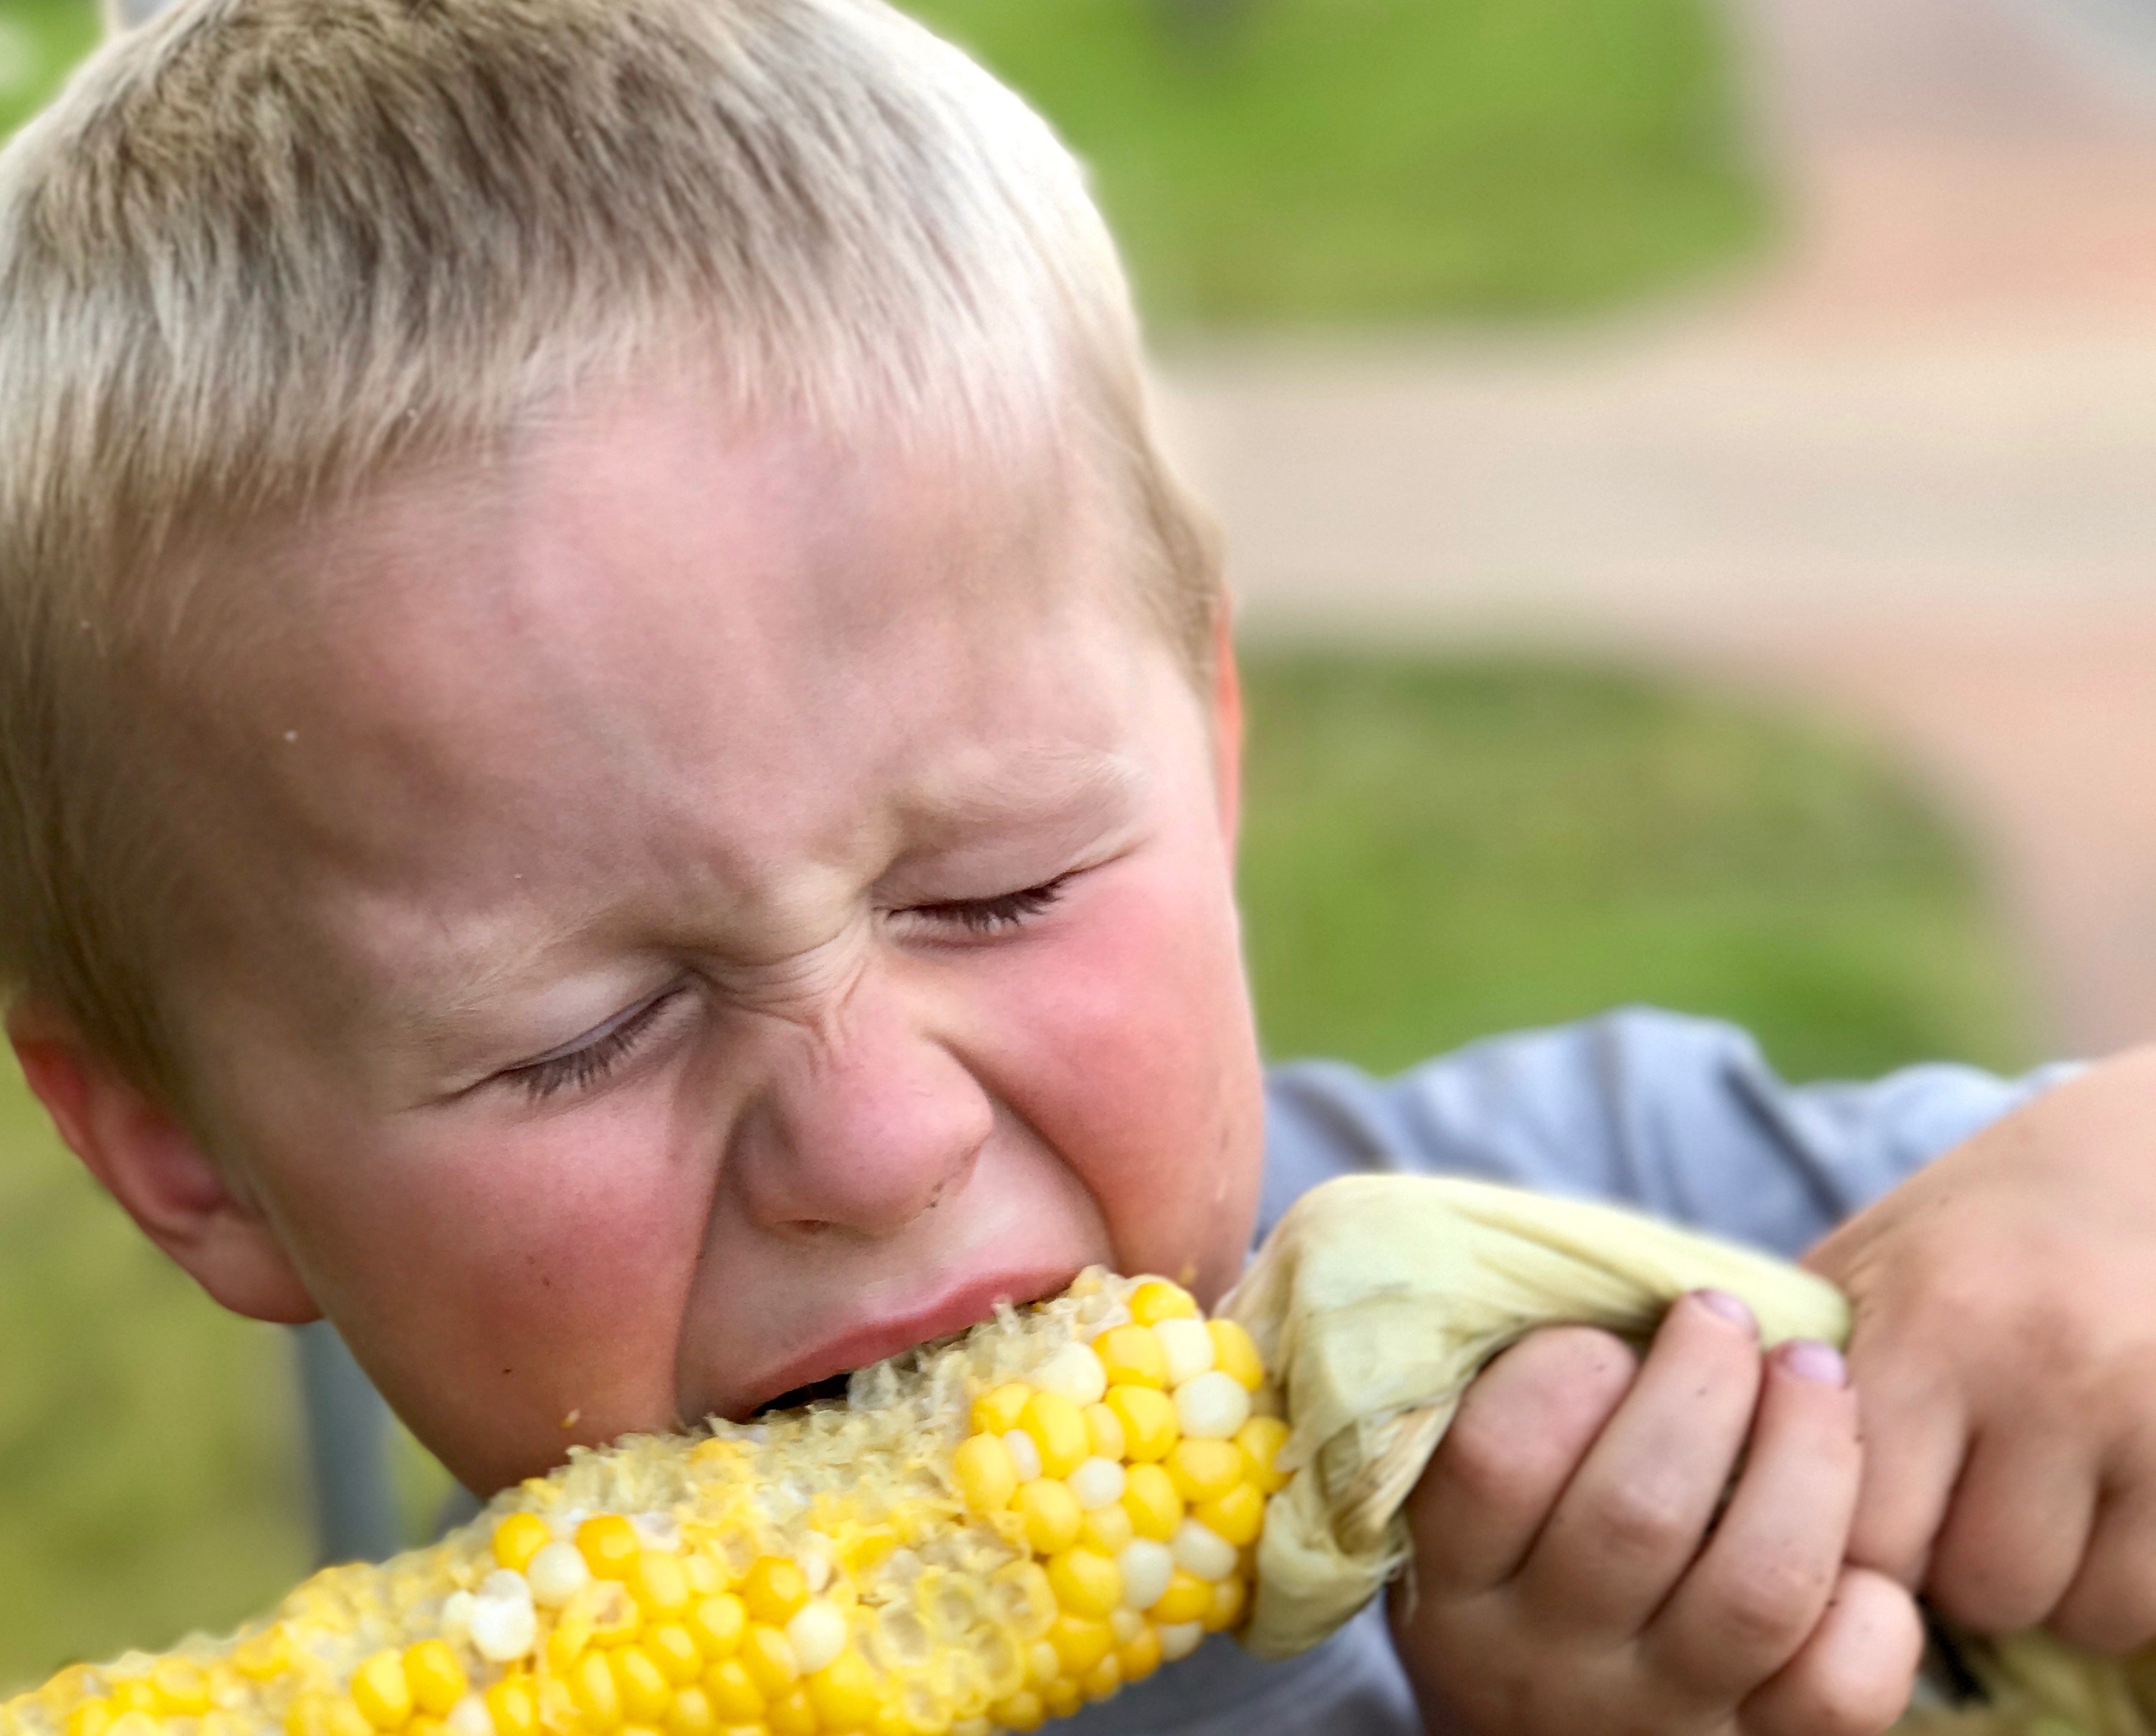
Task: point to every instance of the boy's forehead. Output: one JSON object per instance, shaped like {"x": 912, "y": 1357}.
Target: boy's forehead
{"x": 648, "y": 618}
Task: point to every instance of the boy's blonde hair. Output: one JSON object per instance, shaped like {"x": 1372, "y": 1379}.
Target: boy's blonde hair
{"x": 262, "y": 252}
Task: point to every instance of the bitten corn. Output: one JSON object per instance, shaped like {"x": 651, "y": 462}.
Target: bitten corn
{"x": 983, "y": 1535}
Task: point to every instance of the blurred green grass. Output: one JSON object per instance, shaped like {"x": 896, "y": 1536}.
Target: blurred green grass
{"x": 1339, "y": 159}
{"x": 1392, "y": 159}
{"x": 1433, "y": 851}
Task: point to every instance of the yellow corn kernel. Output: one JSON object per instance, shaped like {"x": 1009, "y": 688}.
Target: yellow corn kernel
{"x": 518, "y": 1538}
{"x": 1156, "y": 1299}
{"x": 1058, "y": 1429}
{"x": 659, "y": 1583}
{"x": 996, "y": 1411}
{"x": 1262, "y": 1439}
{"x": 642, "y": 1685}
{"x": 1086, "y": 1584}
{"x": 774, "y": 1589}
{"x": 844, "y": 1693}
{"x": 1103, "y": 1679}
{"x": 437, "y": 1680}
{"x": 768, "y": 1655}
{"x": 1148, "y": 1420}
{"x": 705, "y": 1574}
{"x": 181, "y": 1688}
{"x": 90, "y": 1718}
{"x": 1132, "y": 1357}
{"x": 345, "y": 1719}
{"x": 675, "y": 1652}
{"x": 1204, "y": 1470}
{"x": 1051, "y": 1514}
{"x": 136, "y": 1721}
{"x": 1104, "y": 1429}
{"x": 259, "y": 1656}
{"x": 596, "y": 1692}
{"x": 1022, "y": 1712}
{"x": 985, "y": 1476}
{"x": 791, "y": 1714}
{"x": 134, "y": 1695}
{"x": 1080, "y": 1641}
{"x": 734, "y": 1695}
{"x": 691, "y": 1714}
{"x": 1062, "y": 1696}
{"x": 1187, "y": 1599}
{"x": 1235, "y": 1355}
{"x": 610, "y": 1545}
{"x": 424, "y": 1725}
{"x": 1108, "y": 1529}
{"x": 1153, "y": 1501}
{"x": 1140, "y": 1656}
{"x": 717, "y": 1625}
{"x": 380, "y": 1691}
{"x": 1239, "y": 1515}
{"x": 614, "y": 1615}
{"x": 1225, "y": 1609}
{"x": 514, "y": 1706}
{"x": 308, "y": 1715}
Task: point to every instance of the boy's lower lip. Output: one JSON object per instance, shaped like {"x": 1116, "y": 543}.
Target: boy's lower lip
{"x": 872, "y": 1341}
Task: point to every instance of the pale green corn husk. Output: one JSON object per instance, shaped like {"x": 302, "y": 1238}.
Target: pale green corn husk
{"x": 1379, "y": 1298}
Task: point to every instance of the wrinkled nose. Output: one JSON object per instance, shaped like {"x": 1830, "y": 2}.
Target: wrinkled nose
{"x": 867, "y": 1122}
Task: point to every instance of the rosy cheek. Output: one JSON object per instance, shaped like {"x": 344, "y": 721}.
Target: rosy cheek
{"x": 1126, "y": 1045}
{"x": 541, "y": 1271}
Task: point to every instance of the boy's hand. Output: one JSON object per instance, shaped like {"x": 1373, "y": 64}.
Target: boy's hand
{"x": 1571, "y": 1573}
{"x": 2004, "y": 1349}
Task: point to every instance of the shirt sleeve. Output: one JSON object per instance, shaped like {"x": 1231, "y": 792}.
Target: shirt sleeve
{"x": 1681, "y": 1117}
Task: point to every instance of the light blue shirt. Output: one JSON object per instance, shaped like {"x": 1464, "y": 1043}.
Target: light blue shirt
{"x": 1679, "y": 1117}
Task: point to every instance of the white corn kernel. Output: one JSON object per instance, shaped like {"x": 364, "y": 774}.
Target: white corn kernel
{"x": 1146, "y": 1567}
{"x": 1075, "y": 1371}
{"x": 1044, "y": 1663}
{"x": 1179, "y": 1639}
{"x": 1199, "y": 1550}
{"x": 1025, "y": 1456}
{"x": 1097, "y": 1483}
{"x": 456, "y": 1614}
{"x": 469, "y": 1717}
{"x": 1188, "y": 1347}
{"x": 504, "y": 1629}
{"x": 1212, "y": 1406}
{"x": 814, "y": 1559}
{"x": 817, "y": 1633}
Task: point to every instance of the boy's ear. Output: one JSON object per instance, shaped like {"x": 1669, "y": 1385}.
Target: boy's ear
{"x": 1227, "y": 723}
{"x": 153, "y": 1165}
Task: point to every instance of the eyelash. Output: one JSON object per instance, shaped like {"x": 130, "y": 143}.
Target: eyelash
{"x": 993, "y": 916}
{"x": 584, "y": 1068}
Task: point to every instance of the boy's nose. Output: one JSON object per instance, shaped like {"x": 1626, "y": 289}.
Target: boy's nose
{"x": 869, "y": 1119}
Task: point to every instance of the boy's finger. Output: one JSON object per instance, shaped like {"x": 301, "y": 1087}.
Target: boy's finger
{"x": 1853, "y": 1676}
{"x": 2014, "y": 1530}
{"x": 1760, "y": 1586}
{"x": 1916, "y": 1434}
{"x": 1522, "y": 1430}
{"x": 1632, "y": 1519}
{"x": 2111, "y": 1607}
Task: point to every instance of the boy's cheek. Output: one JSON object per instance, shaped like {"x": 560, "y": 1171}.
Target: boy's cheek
{"x": 1131, "y": 1052}
{"x": 514, "y": 1299}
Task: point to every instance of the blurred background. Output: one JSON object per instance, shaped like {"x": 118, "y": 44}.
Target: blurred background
{"x": 1688, "y": 471}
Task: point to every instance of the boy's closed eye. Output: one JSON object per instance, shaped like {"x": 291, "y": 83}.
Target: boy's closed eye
{"x": 588, "y": 1060}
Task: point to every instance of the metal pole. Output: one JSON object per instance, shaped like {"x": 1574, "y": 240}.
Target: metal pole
{"x": 348, "y": 1452}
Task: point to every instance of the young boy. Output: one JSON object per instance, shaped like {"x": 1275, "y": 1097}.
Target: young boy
{"x": 619, "y": 769}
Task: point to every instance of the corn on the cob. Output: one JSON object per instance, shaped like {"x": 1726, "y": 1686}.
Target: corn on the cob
{"x": 985, "y": 1534}
{"x": 989, "y": 1534}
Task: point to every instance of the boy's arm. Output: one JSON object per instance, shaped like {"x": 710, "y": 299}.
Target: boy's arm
{"x": 2004, "y": 1351}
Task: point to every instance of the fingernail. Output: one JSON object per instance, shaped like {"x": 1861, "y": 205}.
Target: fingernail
{"x": 1729, "y": 1307}
{"x": 1809, "y": 1359}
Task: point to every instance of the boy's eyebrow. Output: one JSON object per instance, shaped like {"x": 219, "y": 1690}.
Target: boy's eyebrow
{"x": 1040, "y": 786}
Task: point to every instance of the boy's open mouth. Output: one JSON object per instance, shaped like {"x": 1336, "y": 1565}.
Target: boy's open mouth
{"x": 824, "y": 1372}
